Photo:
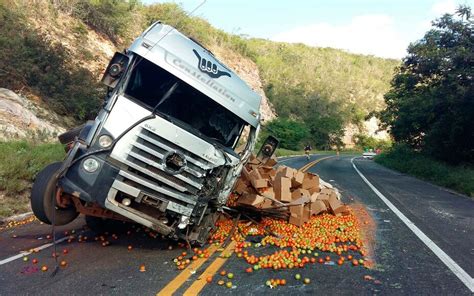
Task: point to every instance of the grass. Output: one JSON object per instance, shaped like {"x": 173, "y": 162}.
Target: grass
{"x": 20, "y": 161}
{"x": 458, "y": 178}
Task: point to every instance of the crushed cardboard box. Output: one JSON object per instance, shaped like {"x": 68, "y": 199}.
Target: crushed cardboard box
{"x": 296, "y": 194}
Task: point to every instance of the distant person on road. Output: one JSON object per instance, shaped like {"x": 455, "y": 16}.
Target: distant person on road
{"x": 307, "y": 149}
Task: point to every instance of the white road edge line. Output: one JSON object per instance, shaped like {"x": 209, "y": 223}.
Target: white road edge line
{"x": 450, "y": 263}
{"x": 22, "y": 254}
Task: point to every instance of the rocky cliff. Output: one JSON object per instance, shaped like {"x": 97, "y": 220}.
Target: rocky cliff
{"x": 23, "y": 118}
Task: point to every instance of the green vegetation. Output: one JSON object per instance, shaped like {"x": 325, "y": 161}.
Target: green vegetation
{"x": 322, "y": 87}
{"x": 19, "y": 163}
{"x": 110, "y": 17}
{"x": 364, "y": 142}
{"x": 290, "y": 133}
{"x": 430, "y": 105}
{"x": 402, "y": 158}
{"x": 29, "y": 62}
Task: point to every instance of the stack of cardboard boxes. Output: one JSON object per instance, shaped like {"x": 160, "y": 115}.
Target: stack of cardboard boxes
{"x": 299, "y": 194}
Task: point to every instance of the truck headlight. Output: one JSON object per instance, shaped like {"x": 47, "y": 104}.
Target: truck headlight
{"x": 105, "y": 141}
{"x": 90, "y": 165}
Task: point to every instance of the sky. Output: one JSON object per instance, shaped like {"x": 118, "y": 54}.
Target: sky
{"x": 382, "y": 28}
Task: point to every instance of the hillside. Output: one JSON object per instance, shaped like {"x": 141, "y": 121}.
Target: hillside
{"x": 66, "y": 43}
{"x": 62, "y": 47}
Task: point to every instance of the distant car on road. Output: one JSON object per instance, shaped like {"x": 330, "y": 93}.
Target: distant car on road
{"x": 369, "y": 155}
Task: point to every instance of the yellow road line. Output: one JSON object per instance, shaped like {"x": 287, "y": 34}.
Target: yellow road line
{"x": 179, "y": 280}
{"x": 311, "y": 164}
{"x": 199, "y": 284}
{"x": 303, "y": 168}
{"x": 211, "y": 270}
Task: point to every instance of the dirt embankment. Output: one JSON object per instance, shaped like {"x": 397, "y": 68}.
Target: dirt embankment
{"x": 24, "y": 115}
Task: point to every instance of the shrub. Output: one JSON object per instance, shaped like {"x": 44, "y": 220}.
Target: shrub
{"x": 402, "y": 158}
{"x": 29, "y": 60}
{"x": 290, "y": 133}
{"x": 367, "y": 142}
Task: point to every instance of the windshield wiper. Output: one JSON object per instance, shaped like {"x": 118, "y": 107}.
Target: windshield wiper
{"x": 166, "y": 96}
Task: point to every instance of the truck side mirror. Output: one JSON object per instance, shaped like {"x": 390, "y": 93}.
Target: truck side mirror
{"x": 268, "y": 148}
{"x": 115, "y": 69}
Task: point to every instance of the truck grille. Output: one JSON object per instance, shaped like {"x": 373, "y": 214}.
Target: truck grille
{"x": 145, "y": 162}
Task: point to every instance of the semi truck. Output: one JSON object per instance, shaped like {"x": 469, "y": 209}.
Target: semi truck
{"x": 167, "y": 146}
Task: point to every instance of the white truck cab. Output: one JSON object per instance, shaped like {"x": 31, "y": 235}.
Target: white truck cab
{"x": 162, "y": 151}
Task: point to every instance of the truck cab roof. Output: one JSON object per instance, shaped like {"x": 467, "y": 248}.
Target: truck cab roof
{"x": 187, "y": 59}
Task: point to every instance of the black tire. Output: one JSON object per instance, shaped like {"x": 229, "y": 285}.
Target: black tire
{"x": 43, "y": 195}
{"x": 70, "y": 135}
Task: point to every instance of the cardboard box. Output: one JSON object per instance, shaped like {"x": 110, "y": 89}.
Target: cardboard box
{"x": 257, "y": 180}
{"x": 265, "y": 204}
{"x": 240, "y": 187}
{"x": 342, "y": 211}
{"x": 286, "y": 172}
{"x": 297, "y": 179}
{"x": 271, "y": 162}
{"x": 334, "y": 203}
{"x": 281, "y": 187}
{"x": 313, "y": 197}
{"x": 318, "y": 207}
{"x": 310, "y": 181}
{"x": 297, "y": 210}
{"x": 327, "y": 191}
{"x": 324, "y": 198}
{"x": 272, "y": 174}
{"x": 253, "y": 160}
{"x": 306, "y": 212}
{"x": 251, "y": 199}
{"x": 297, "y": 215}
{"x": 298, "y": 221}
{"x": 299, "y": 193}
{"x": 269, "y": 192}
{"x": 245, "y": 174}
{"x": 314, "y": 190}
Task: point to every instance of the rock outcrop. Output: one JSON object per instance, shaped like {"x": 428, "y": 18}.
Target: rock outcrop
{"x": 22, "y": 118}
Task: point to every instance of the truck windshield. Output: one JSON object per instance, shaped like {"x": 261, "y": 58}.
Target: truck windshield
{"x": 149, "y": 83}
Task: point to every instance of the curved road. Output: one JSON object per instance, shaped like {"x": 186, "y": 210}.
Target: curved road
{"x": 404, "y": 264}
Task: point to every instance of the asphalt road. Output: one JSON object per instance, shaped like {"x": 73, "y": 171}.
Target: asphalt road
{"x": 404, "y": 265}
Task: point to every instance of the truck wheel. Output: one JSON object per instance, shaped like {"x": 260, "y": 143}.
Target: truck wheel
{"x": 43, "y": 199}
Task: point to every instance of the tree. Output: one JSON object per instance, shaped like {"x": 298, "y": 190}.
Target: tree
{"x": 290, "y": 133}
{"x": 430, "y": 105}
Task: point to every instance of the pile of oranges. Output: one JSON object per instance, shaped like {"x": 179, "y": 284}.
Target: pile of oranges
{"x": 296, "y": 246}
{"x": 11, "y": 224}
{"x": 184, "y": 259}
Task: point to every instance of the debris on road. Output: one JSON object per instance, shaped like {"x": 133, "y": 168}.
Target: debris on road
{"x": 283, "y": 219}
{"x": 284, "y": 192}
{"x": 7, "y": 223}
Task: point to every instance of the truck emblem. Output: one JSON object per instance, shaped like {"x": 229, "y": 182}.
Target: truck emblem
{"x": 209, "y": 67}
{"x": 174, "y": 162}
